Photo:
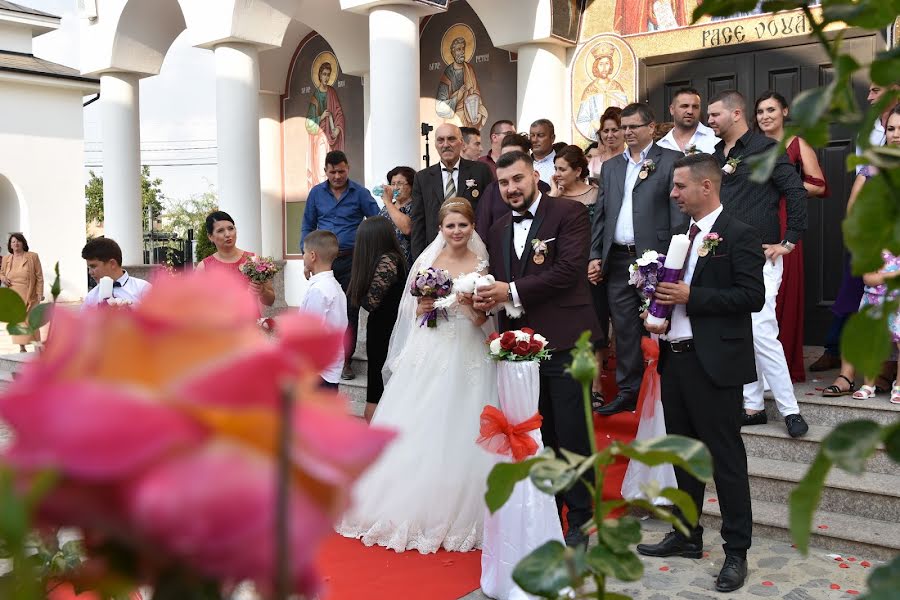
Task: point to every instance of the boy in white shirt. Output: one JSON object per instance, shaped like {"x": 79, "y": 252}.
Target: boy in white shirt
{"x": 325, "y": 296}
{"x": 104, "y": 259}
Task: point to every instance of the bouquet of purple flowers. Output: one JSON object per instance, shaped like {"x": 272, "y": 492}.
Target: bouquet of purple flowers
{"x": 644, "y": 274}
{"x": 432, "y": 283}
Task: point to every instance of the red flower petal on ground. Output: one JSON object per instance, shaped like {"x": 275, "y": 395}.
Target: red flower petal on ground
{"x": 852, "y": 559}
{"x": 839, "y": 558}
{"x": 823, "y": 526}
{"x": 768, "y": 583}
{"x": 865, "y": 563}
{"x": 852, "y": 592}
{"x": 835, "y": 586}
{"x": 664, "y": 568}
{"x": 844, "y": 566}
{"x": 712, "y": 500}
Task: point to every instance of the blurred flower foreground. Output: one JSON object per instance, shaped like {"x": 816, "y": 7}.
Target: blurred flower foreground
{"x": 161, "y": 424}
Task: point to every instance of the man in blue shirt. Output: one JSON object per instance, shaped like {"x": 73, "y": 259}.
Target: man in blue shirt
{"x": 339, "y": 205}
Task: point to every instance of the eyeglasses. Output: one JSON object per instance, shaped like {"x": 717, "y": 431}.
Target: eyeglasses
{"x": 399, "y": 184}
{"x": 633, "y": 127}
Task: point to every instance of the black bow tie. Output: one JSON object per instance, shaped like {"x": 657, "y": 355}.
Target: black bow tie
{"x": 117, "y": 284}
{"x": 517, "y": 218}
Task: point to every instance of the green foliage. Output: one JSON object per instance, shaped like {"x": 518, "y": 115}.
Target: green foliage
{"x": 14, "y": 311}
{"x": 182, "y": 215}
{"x": 553, "y": 567}
{"x": 151, "y": 197}
{"x": 884, "y": 582}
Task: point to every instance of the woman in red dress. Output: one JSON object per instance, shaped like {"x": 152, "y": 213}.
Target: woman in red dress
{"x": 222, "y": 233}
{"x": 771, "y": 112}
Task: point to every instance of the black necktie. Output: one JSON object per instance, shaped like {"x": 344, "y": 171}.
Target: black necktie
{"x": 517, "y": 218}
{"x": 116, "y": 284}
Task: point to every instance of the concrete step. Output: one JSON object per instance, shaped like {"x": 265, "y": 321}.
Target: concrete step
{"x": 355, "y": 392}
{"x": 870, "y": 495}
{"x": 847, "y": 535}
{"x": 11, "y": 363}
{"x": 772, "y": 441}
{"x": 818, "y": 410}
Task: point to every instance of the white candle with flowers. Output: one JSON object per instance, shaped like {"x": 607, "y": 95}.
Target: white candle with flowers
{"x": 670, "y": 273}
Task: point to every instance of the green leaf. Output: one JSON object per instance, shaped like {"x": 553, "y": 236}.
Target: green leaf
{"x": 12, "y": 308}
{"x": 549, "y": 569}
{"x": 763, "y": 164}
{"x": 866, "y": 340}
{"x": 687, "y": 453}
{"x": 868, "y": 14}
{"x": 885, "y": 67}
{"x": 850, "y": 444}
{"x": 56, "y": 288}
{"x": 809, "y": 105}
{"x": 891, "y": 437}
{"x": 620, "y": 534}
{"x": 553, "y": 476}
{"x": 503, "y": 479}
{"x": 804, "y": 499}
{"x": 722, "y": 8}
{"x": 39, "y": 316}
{"x": 624, "y": 566}
{"x": 662, "y": 514}
{"x": 684, "y": 503}
{"x": 869, "y": 228}
{"x": 583, "y": 368}
{"x": 884, "y": 581}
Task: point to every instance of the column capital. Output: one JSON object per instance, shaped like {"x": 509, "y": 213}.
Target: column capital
{"x": 420, "y": 8}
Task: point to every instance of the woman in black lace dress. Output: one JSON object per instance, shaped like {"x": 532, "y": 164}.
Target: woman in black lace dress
{"x": 376, "y": 284}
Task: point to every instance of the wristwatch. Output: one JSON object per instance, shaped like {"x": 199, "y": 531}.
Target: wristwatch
{"x": 789, "y": 246}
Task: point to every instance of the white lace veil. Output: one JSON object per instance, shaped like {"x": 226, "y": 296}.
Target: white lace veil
{"x": 406, "y": 315}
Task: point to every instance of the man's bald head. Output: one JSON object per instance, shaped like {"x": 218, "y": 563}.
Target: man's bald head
{"x": 448, "y": 141}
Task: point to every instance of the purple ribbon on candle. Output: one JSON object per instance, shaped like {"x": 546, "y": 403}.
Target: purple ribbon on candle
{"x": 664, "y": 311}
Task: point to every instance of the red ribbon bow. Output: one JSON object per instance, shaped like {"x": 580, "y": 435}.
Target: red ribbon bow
{"x": 499, "y": 436}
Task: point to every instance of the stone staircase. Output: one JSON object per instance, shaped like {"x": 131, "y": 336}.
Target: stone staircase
{"x": 858, "y": 516}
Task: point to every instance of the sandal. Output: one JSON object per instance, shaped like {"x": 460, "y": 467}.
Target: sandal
{"x": 895, "y": 394}
{"x": 833, "y": 391}
{"x": 864, "y": 392}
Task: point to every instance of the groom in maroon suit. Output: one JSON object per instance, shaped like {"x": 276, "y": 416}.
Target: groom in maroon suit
{"x": 539, "y": 257}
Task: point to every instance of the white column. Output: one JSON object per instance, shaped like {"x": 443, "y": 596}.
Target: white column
{"x": 541, "y": 80}
{"x": 237, "y": 126}
{"x": 119, "y": 97}
{"x": 393, "y": 88}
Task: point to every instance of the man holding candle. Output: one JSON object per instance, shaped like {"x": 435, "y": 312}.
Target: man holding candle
{"x": 104, "y": 261}
{"x": 634, "y": 214}
{"x": 706, "y": 357}
{"x": 757, "y": 205}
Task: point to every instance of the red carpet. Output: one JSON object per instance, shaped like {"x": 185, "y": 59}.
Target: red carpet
{"x": 622, "y": 427}
{"x": 353, "y": 571}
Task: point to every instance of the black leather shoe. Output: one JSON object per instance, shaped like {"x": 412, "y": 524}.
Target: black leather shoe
{"x": 620, "y": 404}
{"x": 796, "y": 426}
{"x": 759, "y": 418}
{"x": 576, "y": 537}
{"x": 674, "y": 544}
{"x": 733, "y": 573}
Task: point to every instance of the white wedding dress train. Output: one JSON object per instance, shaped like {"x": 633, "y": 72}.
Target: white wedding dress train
{"x": 427, "y": 490}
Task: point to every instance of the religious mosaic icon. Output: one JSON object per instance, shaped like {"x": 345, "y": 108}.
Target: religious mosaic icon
{"x": 325, "y": 121}
{"x": 604, "y": 68}
{"x": 459, "y": 99}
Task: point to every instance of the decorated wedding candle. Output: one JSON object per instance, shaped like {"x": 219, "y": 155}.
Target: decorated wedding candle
{"x": 670, "y": 273}
{"x": 106, "y": 287}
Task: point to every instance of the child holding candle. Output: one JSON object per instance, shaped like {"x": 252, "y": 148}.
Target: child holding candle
{"x": 104, "y": 261}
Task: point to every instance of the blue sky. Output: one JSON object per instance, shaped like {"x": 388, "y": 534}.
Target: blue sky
{"x": 178, "y": 124}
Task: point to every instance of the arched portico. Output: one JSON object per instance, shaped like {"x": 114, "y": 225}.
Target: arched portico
{"x": 10, "y": 207}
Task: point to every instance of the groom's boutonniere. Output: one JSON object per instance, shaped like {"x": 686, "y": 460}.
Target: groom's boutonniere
{"x": 731, "y": 165}
{"x": 470, "y": 183}
{"x": 540, "y": 250}
{"x": 710, "y": 243}
{"x": 648, "y": 167}
{"x": 692, "y": 149}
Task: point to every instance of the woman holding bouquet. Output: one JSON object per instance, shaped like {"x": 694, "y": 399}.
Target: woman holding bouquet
{"x": 376, "y": 284}
{"x": 221, "y": 231}
{"x": 427, "y": 491}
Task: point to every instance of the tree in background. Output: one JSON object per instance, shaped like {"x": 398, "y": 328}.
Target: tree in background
{"x": 151, "y": 197}
{"x": 182, "y": 215}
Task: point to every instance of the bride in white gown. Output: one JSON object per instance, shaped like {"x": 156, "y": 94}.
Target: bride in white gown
{"x": 427, "y": 490}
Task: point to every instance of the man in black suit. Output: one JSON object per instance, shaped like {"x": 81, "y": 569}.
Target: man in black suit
{"x": 452, "y": 177}
{"x": 707, "y": 357}
{"x": 538, "y": 254}
{"x": 634, "y": 214}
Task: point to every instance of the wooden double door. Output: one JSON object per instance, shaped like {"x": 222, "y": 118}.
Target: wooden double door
{"x": 787, "y": 69}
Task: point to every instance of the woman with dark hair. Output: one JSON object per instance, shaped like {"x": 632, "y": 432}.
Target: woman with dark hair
{"x": 569, "y": 181}
{"x": 221, "y": 231}
{"x": 376, "y": 284}
{"x": 397, "y": 196}
{"x": 771, "y": 113}
{"x": 612, "y": 139}
{"x": 21, "y": 272}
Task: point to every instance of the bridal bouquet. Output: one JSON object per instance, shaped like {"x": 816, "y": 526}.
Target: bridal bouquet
{"x": 119, "y": 302}
{"x": 518, "y": 345}
{"x": 432, "y": 283}
{"x": 260, "y": 269}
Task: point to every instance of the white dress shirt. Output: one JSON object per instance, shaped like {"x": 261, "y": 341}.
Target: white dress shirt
{"x": 129, "y": 288}
{"x": 624, "y": 232}
{"x": 445, "y": 174}
{"x": 877, "y": 137}
{"x": 681, "y": 324}
{"x": 325, "y": 298}
{"x": 520, "y": 242}
{"x": 546, "y": 167}
{"x": 704, "y": 139}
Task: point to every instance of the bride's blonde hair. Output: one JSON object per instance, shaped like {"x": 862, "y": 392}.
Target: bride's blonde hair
{"x": 457, "y": 205}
